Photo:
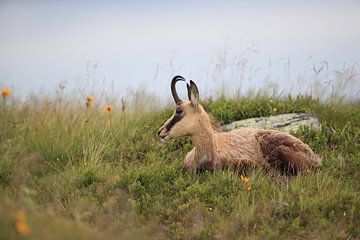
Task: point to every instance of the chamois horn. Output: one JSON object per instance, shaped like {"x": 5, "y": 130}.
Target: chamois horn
{"x": 173, "y": 88}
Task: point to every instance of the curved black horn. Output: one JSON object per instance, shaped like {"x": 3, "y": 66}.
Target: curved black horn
{"x": 173, "y": 88}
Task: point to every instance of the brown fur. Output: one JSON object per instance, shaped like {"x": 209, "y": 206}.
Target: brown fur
{"x": 247, "y": 147}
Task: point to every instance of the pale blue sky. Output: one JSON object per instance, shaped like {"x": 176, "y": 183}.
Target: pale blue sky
{"x": 135, "y": 43}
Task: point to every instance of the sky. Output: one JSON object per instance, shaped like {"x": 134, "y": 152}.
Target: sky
{"x": 122, "y": 45}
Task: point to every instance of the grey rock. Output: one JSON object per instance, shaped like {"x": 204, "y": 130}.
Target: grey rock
{"x": 283, "y": 122}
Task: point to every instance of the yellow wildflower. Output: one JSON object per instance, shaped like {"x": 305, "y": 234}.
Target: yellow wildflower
{"x": 5, "y": 92}
{"x": 247, "y": 188}
{"x": 89, "y": 99}
{"x": 108, "y": 108}
{"x": 21, "y": 222}
{"x": 23, "y": 228}
{"x": 244, "y": 179}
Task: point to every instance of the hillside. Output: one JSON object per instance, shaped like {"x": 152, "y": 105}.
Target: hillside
{"x": 72, "y": 172}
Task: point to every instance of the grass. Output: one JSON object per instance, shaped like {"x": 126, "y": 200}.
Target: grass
{"x": 81, "y": 173}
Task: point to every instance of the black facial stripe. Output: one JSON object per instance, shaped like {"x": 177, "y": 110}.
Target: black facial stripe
{"x": 173, "y": 121}
{"x": 179, "y": 111}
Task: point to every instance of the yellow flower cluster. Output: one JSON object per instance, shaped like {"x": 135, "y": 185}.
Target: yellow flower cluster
{"x": 5, "y": 92}
{"x": 89, "y": 101}
{"x": 245, "y": 180}
{"x": 21, "y": 223}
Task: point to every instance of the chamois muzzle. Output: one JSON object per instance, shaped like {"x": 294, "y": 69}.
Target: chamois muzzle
{"x": 162, "y": 134}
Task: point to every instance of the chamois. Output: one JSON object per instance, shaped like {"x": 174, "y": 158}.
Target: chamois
{"x": 276, "y": 151}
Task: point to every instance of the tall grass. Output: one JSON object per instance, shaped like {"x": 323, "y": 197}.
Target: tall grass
{"x": 80, "y": 173}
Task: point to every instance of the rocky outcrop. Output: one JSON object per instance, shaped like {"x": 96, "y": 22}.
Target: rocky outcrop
{"x": 283, "y": 122}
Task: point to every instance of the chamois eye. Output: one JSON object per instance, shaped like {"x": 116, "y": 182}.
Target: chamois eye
{"x": 179, "y": 111}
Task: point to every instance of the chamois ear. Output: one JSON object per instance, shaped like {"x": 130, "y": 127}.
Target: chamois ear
{"x": 193, "y": 94}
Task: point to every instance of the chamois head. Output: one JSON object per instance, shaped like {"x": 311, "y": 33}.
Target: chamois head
{"x": 187, "y": 116}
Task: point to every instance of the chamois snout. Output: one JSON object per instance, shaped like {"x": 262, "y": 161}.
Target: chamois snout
{"x": 163, "y": 134}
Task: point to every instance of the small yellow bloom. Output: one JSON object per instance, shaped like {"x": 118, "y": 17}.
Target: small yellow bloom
{"x": 247, "y": 188}
{"x": 108, "y": 108}
{"x": 244, "y": 179}
{"x": 23, "y": 228}
{"x": 5, "y": 92}
{"x": 21, "y": 222}
{"x": 89, "y": 99}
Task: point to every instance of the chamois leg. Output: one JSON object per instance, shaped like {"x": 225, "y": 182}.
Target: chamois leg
{"x": 189, "y": 163}
{"x": 270, "y": 169}
{"x": 280, "y": 179}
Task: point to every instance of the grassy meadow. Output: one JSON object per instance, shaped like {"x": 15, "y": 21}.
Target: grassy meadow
{"x": 68, "y": 171}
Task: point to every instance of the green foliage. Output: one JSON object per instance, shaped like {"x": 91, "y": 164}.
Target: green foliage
{"x": 86, "y": 179}
{"x": 81, "y": 173}
{"x": 226, "y": 110}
